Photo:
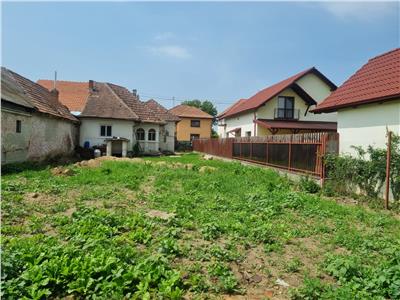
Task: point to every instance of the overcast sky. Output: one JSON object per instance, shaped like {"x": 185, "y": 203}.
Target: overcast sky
{"x": 215, "y": 51}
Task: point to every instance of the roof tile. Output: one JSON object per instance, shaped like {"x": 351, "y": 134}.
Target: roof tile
{"x": 378, "y": 79}
{"x": 189, "y": 112}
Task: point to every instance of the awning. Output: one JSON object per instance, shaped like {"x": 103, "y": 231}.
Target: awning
{"x": 234, "y": 130}
{"x": 297, "y": 125}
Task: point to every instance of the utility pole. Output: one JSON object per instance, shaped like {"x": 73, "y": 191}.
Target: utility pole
{"x": 173, "y": 101}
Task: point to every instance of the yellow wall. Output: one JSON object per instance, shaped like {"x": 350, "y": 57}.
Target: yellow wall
{"x": 184, "y": 130}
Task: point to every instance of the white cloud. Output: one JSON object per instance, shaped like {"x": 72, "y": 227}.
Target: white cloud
{"x": 171, "y": 51}
{"x": 164, "y": 36}
{"x": 363, "y": 11}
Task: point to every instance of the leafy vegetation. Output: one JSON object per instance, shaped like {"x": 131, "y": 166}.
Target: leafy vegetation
{"x": 366, "y": 171}
{"x": 160, "y": 228}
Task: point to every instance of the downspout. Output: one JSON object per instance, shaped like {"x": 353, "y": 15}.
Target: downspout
{"x": 254, "y": 122}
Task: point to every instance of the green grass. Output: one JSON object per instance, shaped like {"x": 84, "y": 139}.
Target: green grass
{"x": 236, "y": 230}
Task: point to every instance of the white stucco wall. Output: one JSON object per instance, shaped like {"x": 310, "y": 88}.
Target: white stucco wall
{"x": 41, "y": 137}
{"x": 366, "y": 125}
{"x": 90, "y": 131}
{"x": 244, "y": 121}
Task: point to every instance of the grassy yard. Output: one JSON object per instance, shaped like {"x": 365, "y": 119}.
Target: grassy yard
{"x": 171, "y": 228}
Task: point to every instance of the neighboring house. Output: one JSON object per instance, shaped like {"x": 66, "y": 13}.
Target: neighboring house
{"x": 194, "y": 123}
{"x": 112, "y": 115}
{"x": 282, "y": 108}
{"x": 34, "y": 124}
{"x": 367, "y": 104}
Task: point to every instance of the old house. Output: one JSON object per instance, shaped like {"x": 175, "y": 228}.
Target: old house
{"x": 34, "y": 124}
{"x": 114, "y": 117}
{"x": 194, "y": 123}
{"x": 367, "y": 104}
{"x": 282, "y": 108}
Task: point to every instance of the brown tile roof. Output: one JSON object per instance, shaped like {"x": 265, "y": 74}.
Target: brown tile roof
{"x": 39, "y": 97}
{"x": 104, "y": 103}
{"x": 377, "y": 80}
{"x": 189, "y": 112}
{"x": 144, "y": 113}
{"x": 161, "y": 111}
{"x": 268, "y": 93}
{"x": 73, "y": 94}
{"x": 12, "y": 92}
{"x": 305, "y": 125}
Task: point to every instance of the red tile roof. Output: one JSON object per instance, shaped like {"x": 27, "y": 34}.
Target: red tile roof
{"x": 72, "y": 94}
{"x": 189, "y": 112}
{"x": 39, "y": 97}
{"x": 231, "y": 108}
{"x": 377, "y": 80}
{"x": 304, "y": 125}
{"x": 268, "y": 93}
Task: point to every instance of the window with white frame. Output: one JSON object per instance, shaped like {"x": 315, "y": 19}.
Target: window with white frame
{"x": 152, "y": 135}
{"x": 140, "y": 134}
{"x": 106, "y": 130}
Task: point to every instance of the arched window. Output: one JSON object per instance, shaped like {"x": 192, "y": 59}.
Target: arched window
{"x": 152, "y": 135}
{"x": 140, "y": 134}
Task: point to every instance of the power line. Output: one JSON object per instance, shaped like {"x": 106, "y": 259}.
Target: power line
{"x": 180, "y": 100}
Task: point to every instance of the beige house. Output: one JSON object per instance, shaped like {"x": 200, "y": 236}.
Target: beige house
{"x": 34, "y": 124}
{"x": 367, "y": 104}
{"x": 194, "y": 123}
{"x": 282, "y": 108}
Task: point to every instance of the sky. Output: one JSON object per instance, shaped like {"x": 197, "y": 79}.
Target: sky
{"x": 213, "y": 51}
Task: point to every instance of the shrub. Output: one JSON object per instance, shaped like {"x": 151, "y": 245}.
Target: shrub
{"x": 308, "y": 185}
{"x": 366, "y": 171}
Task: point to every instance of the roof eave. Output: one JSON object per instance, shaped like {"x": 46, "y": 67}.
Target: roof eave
{"x": 335, "y": 108}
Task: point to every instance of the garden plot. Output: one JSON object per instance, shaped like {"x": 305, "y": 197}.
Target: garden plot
{"x": 162, "y": 228}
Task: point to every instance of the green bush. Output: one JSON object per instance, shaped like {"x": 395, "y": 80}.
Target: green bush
{"x": 366, "y": 171}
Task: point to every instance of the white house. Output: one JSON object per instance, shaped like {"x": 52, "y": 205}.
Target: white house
{"x": 367, "y": 104}
{"x": 34, "y": 124}
{"x": 282, "y": 108}
{"x": 113, "y": 117}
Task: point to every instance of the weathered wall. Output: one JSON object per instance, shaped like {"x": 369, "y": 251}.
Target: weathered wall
{"x": 51, "y": 137}
{"x": 184, "y": 130}
{"x": 41, "y": 137}
{"x": 167, "y": 136}
{"x": 14, "y": 146}
{"x": 366, "y": 125}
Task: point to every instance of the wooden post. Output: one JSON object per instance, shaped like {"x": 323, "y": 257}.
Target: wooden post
{"x": 388, "y": 154}
{"x": 290, "y": 153}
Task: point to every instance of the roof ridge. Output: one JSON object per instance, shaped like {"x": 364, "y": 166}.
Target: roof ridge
{"x": 384, "y": 54}
{"x": 122, "y": 101}
{"x": 21, "y": 87}
{"x": 68, "y": 81}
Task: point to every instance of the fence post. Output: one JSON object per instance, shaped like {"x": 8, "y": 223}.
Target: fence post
{"x": 290, "y": 152}
{"x": 388, "y": 154}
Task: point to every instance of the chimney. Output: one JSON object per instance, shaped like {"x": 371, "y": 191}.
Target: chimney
{"x": 55, "y": 93}
{"x": 91, "y": 85}
{"x": 134, "y": 92}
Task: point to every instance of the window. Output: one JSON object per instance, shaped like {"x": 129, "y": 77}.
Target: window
{"x": 152, "y": 135}
{"x": 248, "y": 133}
{"x": 194, "y": 136}
{"x": 18, "y": 127}
{"x": 105, "y": 130}
{"x": 140, "y": 134}
{"x": 194, "y": 123}
{"x": 285, "y": 108}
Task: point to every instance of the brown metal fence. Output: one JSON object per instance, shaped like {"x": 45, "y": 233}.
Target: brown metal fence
{"x": 297, "y": 152}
